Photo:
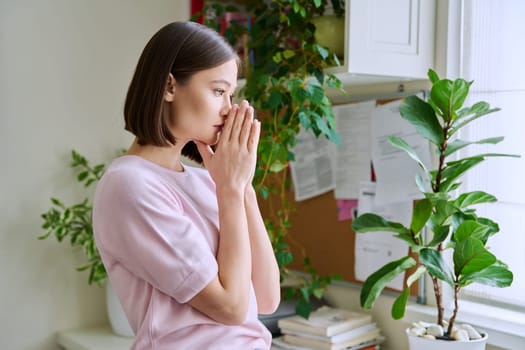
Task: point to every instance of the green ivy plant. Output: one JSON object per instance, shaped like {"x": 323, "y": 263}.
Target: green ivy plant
{"x": 74, "y": 222}
{"x": 286, "y": 83}
{"x": 446, "y": 212}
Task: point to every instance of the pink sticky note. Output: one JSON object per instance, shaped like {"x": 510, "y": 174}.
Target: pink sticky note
{"x": 346, "y": 208}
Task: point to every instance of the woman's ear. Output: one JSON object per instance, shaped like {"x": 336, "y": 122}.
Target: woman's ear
{"x": 169, "y": 91}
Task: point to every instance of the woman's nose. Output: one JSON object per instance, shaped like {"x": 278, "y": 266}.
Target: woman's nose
{"x": 227, "y": 105}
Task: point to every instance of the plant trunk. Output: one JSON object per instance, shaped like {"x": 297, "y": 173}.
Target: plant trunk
{"x": 454, "y": 314}
{"x": 437, "y": 293}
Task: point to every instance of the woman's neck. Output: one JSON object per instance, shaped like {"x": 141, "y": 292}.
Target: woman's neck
{"x": 167, "y": 157}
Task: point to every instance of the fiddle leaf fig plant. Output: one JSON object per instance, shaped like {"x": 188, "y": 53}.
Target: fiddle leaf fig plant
{"x": 446, "y": 214}
{"x": 73, "y": 222}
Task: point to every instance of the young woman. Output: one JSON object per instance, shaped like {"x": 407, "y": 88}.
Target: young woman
{"x": 185, "y": 247}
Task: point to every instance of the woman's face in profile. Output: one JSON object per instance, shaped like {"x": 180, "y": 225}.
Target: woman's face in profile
{"x": 200, "y": 106}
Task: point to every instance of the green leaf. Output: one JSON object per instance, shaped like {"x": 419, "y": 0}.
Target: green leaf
{"x": 376, "y": 282}
{"x": 277, "y": 58}
{"x": 57, "y": 202}
{"x": 490, "y": 224}
{"x": 283, "y": 258}
{"x": 436, "y": 266}
{"x": 370, "y": 222}
{"x": 264, "y": 192}
{"x": 305, "y": 120}
{"x": 420, "y": 183}
{"x": 303, "y": 12}
{"x": 303, "y": 308}
{"x": 455, "y": 170}
{"x": 471, "y": 256}
{"x": 471, "y": 228}
{"x": 404, "y": 146}
{"x": 422, "y": 116}
{"x": 274, "y": 100}
{"x": 432, "y": 76}
{"x": 316, "y": 93}
{"x": 478, "y": 107}
{"x": 496, "y": 275}
{"x": 288, "y": 53}
{"x": 421, "y": 270}
{"x": 472, "y": 198}
{"x": 318, "y": 292}
{"x": 420, "y": 215}
{"x": 440, "y": 234}
{"x": 81, "y": 176}
{"x": 457, "y": 125}
{"x": 322, "y": 51}
{"x": 459, "y": 144}
{"x": 449, "y": 96}
{"x": 409, "y": 239}
{"x": 444, "y": 210}
{"x": 399, "y": 305}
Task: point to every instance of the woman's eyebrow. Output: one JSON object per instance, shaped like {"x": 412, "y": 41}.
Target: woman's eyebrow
{"x": 223, "y": 81}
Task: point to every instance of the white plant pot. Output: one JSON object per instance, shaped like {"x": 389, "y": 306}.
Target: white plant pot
{"x": 419, "y": 343}
{"x": 117, "y": 317}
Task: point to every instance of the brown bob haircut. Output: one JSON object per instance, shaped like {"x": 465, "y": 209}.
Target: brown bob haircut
{"x": 179, "y": 48}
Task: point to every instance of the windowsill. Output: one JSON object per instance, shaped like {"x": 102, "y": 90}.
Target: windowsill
{"x": 506, "y": 328}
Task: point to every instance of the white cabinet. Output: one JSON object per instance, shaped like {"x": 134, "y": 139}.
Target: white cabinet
{"x": 388, "y": 38}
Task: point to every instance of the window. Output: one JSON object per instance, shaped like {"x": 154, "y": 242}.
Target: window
{"x": 494, "y": 57}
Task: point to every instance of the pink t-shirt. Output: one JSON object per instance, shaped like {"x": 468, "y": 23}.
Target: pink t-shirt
{"x": 157, "y": 232}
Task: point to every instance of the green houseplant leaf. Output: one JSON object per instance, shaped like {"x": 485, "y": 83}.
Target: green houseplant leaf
{"x": 400, "y": 304}
{"x": 369, "y": 222}
{"x": 377, "y": 281}
{"x": 420, "y": 114}
{"x": 449, "y": 96}
{"x": 436, "y": 266}
{"x": 403, "y": 145}
{"x": 421, "y": 214}
{"x": 470, "y": 255}
{"x": 456, "y": 145}
{"x": 471, "y": 198}
{"x": 496, "y": 275}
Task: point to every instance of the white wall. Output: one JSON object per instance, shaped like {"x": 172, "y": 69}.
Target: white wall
{"x": 64, "y": 70}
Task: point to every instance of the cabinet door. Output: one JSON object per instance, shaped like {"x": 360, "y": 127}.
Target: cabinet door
{"x": 390, "y": 37}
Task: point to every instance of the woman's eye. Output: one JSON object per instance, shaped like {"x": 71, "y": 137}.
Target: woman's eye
{"x": 219, "y": 92}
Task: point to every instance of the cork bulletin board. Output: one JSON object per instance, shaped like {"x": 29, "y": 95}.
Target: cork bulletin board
{"x": 316, "y": 232}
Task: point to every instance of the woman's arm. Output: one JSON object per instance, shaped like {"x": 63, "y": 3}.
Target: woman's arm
{"x": 226, "y": 298}
{"x": 265, "y": 272}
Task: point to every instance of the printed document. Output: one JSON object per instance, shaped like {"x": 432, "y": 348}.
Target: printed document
{"x": 313, "y": 170}
{"x": 353, "y": 156}
{"x": 395, "y": 170}
{"x": 374, "y": 249}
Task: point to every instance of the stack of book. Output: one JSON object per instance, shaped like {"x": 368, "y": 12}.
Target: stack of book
{"x": 329, "y": 328}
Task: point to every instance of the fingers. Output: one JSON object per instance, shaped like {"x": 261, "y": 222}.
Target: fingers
{"x": 228, "y": 124}
{"x": 238, "y": 121}
{"x": 246, "y": 126}
{"x": 255, "y": 132}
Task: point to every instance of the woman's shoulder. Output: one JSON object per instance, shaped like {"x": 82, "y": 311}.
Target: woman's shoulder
{"x": 134, "y": 179}
{"x": 130, "y": 168}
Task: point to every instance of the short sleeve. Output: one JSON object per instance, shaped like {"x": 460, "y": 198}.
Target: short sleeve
{"x": 141, "y": 224}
